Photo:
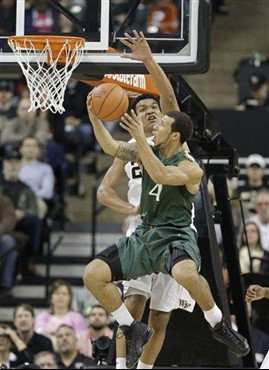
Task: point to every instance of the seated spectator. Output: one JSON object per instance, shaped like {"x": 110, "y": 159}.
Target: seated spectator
{"x": 68, "y": 355}
{"x": 37, "y": 175}
{"x": 7, "y": 101}
{"x": 262, "y": 217}
{"x": 60, "y": 301}
{"x": 252, "y": 250}
{"x": 259, "y": 93}
{"x": 41, "y": 18}
{"x": 98, "y": 327}
{"x": 7, "y": 358}
{"x": 255, "y": 165}
{"x": 8, "y": 252}
{"x": 26, "y": 123}
{"x": 25, "y": 204}
{"x": 46, "y": 360}
{"x": 24, "y": 319}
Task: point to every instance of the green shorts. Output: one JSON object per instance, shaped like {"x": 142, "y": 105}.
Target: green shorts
{"x": 149, "y": 250}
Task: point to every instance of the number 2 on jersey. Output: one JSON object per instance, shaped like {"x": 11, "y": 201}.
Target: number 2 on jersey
{"x": 156, "y": 191}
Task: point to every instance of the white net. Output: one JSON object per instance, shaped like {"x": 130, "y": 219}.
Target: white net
{"x": 46, "y": 75}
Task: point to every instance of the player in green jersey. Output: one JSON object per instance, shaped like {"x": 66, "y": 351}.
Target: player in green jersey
{"x": 166, "y": 240}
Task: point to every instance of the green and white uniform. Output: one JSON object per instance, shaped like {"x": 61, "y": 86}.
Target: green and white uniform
{"x": 167, "y": 224}
{"x": 164, "y": 292}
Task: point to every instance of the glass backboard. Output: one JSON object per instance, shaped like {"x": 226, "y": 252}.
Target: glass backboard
{"x": 178, "y": 31}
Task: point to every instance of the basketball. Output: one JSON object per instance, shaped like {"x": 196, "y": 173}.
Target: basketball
{"x": 109, "y": 102}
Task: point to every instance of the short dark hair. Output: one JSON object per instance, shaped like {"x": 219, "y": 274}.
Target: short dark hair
{"x": 65, "y": 326}
{"x": 182, "y": 124}
{"x": 99, "y": 306}
{"x": 30, "y": 137}
{"x": 26, "y": 307}
{"x": 143, "y": 97}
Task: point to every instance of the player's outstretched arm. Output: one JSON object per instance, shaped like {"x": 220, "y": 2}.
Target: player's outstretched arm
{"x": 107, "y": 191}
{"x": 141, "y": 51}
{"x": 256, "y": 292}
{"x": 119, "y": 149}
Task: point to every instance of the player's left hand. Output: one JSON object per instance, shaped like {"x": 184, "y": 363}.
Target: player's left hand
{"x": 138, "y": 45}
{"x": 133, "y": 125}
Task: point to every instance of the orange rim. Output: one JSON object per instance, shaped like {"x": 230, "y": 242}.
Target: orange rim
{"x": 40, "y": 41}
{"x": 56, "y": 44}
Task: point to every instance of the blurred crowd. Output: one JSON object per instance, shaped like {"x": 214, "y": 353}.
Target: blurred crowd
{"x": 56, "y": 338}
{"x": 41, "y": 162}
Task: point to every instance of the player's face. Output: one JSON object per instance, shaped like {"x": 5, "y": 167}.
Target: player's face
{"x": 149, "y": 112}
{"x": 162, "y": 131}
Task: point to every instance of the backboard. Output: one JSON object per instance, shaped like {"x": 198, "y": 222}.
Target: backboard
{"x": 178, "y": 32}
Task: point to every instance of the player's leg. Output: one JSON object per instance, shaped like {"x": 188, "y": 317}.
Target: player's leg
{"x": 158, "y": 321}
{"x": 136, "y": 306}
{"x": 164, "y": 298}
{"x": 184, "y": 271}
{"x": 98, "y": 277}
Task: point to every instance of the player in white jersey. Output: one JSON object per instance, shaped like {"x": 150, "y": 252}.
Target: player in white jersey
{"x": 165, "y": 294}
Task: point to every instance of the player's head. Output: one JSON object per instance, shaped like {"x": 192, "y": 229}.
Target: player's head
{"x": 175, "y": 128}
{"x": 148, "y": 109}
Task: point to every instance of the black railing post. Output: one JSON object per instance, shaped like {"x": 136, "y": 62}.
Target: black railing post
{"x": 232, "y": 259}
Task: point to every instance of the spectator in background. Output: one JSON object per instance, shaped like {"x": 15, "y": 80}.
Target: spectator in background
{"x": 252, "y": 250}
{"x": 69, "y": 357}
{"x": 26, "y": 211}
{"x": 41, "y": 18}
{"x": 98, "y": 327}
{"x": 7, "y": 358}
{"x": 46, "y": 360}
{"x": 60, "y": 301}
{"x": 255, "y": 165}
{"x": 73, "y": 126}
{"x": 7, "y": 101}
{"x": 258, "y": 91}
{"x": 26, "y": 123}
{"x": 37, "y": 175}
{"x": 262, "y": 217}
{"x": 24, "y": 319}
{"x": 7, "y": 16}
{"x": 8, "y": 252}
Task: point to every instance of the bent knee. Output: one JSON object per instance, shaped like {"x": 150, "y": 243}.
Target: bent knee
{"x": 96, "y": 271}
{"x": 159, "y": 320}
{"x": 186, "y": 278}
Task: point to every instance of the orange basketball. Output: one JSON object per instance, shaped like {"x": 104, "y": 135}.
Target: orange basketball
{"x": 109, "y": 101}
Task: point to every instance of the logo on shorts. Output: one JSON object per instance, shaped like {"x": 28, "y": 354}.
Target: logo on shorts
{"x": 184, "y": 304}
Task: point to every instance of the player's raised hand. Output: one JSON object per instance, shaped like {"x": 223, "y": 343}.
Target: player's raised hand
{"x": 254, "y": 293}
{"x": 138, "y": 45}
{"x": 133, "y": 125}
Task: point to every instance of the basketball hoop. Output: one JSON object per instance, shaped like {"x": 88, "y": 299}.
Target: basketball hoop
{"x": 47, "y": 63}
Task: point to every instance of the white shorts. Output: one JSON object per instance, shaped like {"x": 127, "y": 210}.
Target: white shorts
{"x": 164, "y": 292}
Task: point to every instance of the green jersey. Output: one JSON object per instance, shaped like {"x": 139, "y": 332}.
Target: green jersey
{"x": 165, "y": 204}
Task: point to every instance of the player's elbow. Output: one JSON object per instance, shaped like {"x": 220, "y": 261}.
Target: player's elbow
{"x": 101, "y": 194}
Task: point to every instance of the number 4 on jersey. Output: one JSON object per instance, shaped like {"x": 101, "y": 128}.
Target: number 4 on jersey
{"x": 156, "y": 191}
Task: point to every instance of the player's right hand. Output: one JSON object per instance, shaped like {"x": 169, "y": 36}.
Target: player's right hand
{"x": 254, "y": 293}
{"x": 89, "y": 102}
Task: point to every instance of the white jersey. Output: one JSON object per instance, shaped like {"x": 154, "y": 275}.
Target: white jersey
{"x": 134, "y": 173}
